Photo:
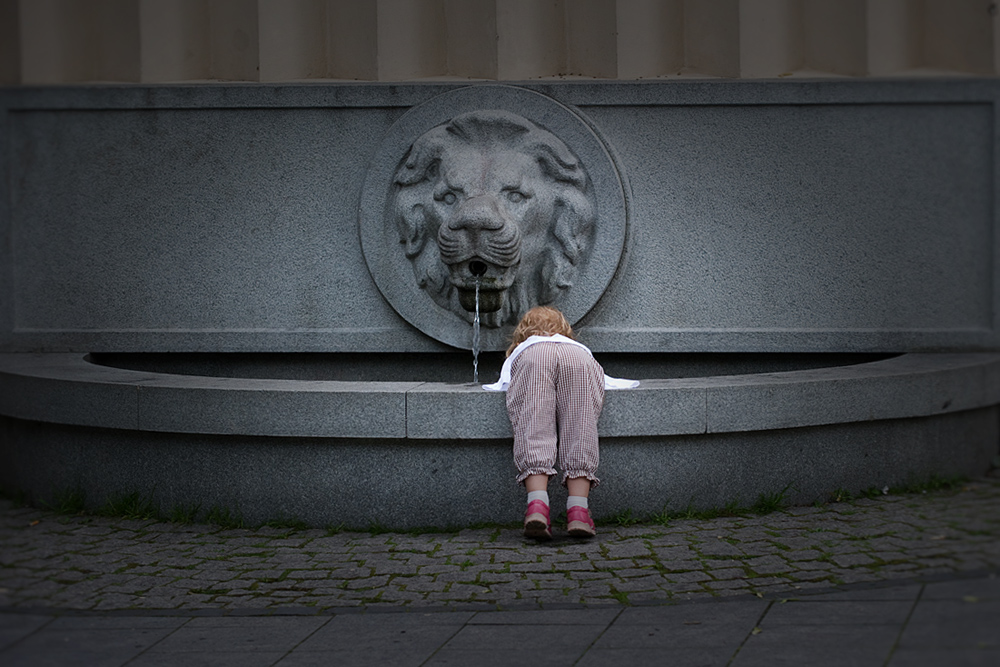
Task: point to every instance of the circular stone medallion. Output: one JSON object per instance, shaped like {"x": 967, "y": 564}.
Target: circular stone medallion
{"x": 494, "y": 186}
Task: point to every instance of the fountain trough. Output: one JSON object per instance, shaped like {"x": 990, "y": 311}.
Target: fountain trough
{"x": 262, "y": 298}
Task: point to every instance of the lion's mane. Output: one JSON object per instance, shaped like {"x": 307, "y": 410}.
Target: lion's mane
{"x": 571, "y": 219}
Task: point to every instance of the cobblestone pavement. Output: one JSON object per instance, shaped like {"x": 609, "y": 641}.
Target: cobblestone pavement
{"x": 51, "y": 561}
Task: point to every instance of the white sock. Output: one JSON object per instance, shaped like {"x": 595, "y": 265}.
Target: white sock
{"x": 539, "y": 495}
{"x": 576, "y": 501}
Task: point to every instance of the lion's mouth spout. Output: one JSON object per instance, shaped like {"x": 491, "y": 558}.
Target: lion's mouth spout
{"x": 490, "y": 301}
{"x": 492, "y": 280}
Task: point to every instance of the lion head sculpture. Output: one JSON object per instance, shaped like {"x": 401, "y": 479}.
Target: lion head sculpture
{"x": 490, "y": 197}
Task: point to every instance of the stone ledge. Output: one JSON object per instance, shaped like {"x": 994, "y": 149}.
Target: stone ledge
{"x": 64, "y": 388}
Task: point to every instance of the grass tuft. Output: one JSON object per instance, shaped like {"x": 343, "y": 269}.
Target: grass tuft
{"x": 223, "y": 516}
{"x": 623, "y": 519}
{"x": 132, "y": 505}
{"x": 67, "y": 501}
{"x": 770, "y": 502}
{"x": 287, "y": 523}
{"x": 136, "y": 505}
{"x": 376, "y": 528}
{"x": 933, "y": 482}
{"x": 620, "y": 596}
{"x": 184, "y": 513}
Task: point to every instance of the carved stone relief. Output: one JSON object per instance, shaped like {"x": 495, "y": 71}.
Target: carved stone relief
{"x": 491, "y": 197}
{"x": 481, "y": 193}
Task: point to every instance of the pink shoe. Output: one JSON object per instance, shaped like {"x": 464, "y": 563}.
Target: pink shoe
{"x": 536, "y": 521}
{"x": 579, "y": 522}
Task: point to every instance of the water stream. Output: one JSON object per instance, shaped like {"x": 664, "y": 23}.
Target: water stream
{"x": 475, "y": 340}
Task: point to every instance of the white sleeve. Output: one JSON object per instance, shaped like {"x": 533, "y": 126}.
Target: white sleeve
{"x": 619, "y": 383}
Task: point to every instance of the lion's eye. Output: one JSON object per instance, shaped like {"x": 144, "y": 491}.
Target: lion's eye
{"x": 448, "y": 198}
{"x": 515, "y": 197}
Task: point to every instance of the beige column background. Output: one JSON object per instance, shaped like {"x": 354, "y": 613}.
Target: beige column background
{"x": 161, "y": 41}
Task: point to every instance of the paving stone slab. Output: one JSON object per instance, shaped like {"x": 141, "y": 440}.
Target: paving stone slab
{"x": 203, "y": 559}
{"x": 15, "y": 627}
{"x": 818, "y": 645}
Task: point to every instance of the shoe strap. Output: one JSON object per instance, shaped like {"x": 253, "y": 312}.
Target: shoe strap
{"x": 579, "y": 514}
{"x": 539, "y": 507}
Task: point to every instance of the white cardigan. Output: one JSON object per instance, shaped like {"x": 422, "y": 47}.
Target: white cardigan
{"x": 504, "y": 381}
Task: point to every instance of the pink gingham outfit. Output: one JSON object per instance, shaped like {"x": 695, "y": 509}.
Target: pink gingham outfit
{"x": 555, "y": 392}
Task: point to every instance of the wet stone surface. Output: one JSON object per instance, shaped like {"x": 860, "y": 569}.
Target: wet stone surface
{"x": 53, "y": 561}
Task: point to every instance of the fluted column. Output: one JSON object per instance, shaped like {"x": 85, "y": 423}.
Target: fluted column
{"x": 411, "y": 39}
{"x": 591, "y": 40}
{"x": 67, "y": 41}
{"x": 10, "y": 42}
{"x": 834, "y": 36}
{"x": 352, "y": 39}
{"x": 770, "y": 38}
{"x": 893, "y": 36}
{"x": 712, "y": 37}
{"x": 234, "y": 39}
{"x": 471, "y": 27}
{"x": 650, "y": 38}
{"x": 175, "y": 40}
{"x": 531, "y": 39}
{"x": 959, "y": 35}
{"x": 63, "y": 41}
{"x": 292, "y": 39}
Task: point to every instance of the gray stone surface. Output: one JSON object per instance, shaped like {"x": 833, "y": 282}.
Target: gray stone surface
{"x": 66, "y": 388}
{"x": 360, "y": 482}
{"x": 792, "y": 244}
{"x": 456, "y": 411}
{"x": 274, "y": 407}
{"x": 764, "y": 216}
{"x": 904, "y": 386}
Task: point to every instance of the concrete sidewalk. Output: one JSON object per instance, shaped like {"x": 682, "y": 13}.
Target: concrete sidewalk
{"x": 897, "y": 580}
{"x": 946, "y": 623}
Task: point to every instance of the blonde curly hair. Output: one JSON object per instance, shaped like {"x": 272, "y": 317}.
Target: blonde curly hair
{"x": 540, "y": 321}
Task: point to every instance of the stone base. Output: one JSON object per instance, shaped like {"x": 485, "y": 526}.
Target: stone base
{"x": 397, "y": 483}
{"x": 412, "y": 454}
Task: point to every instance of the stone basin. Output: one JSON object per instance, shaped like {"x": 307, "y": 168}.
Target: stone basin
{"x": 265, "y": 437}
{"x": 456, "y": 367}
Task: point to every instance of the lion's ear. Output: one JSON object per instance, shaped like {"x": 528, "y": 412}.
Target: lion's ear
{"x": 573, "y": 224}
{"x": 413, "y": 234}
{"x": 558, "y": 163}
{"x": 411, "y": 220}
{"x": 422, "y": 161}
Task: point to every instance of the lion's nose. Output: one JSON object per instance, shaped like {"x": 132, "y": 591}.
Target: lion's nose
{"x": 477, "y": 213}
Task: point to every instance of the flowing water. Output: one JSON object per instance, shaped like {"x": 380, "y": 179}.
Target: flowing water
{"x": 475, "y": 340}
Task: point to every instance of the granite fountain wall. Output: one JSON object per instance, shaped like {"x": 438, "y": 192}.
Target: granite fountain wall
{"x": 196, "y": 283}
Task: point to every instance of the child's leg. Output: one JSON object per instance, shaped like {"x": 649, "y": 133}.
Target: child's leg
{"x": 531, "y": 405}
{"x": 539, "y": 483}
{"x": 537, "y": 520}
{"x": 579, "y": 399}
{"x": 578, "y": 521}
{"x": 578, "y": 487}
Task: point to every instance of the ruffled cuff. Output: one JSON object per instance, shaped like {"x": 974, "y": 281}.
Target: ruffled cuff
{"x": 535, "y": 471}
{"x": 573, "y": 474}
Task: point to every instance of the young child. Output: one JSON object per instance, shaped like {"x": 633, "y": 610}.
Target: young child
{"x": 555, "y": 392}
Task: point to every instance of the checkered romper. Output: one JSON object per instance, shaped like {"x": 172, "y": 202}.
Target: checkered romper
{"x": 555, "y": 396}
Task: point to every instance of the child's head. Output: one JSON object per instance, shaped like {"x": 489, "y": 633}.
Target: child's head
{"x": 539, "y": 321}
